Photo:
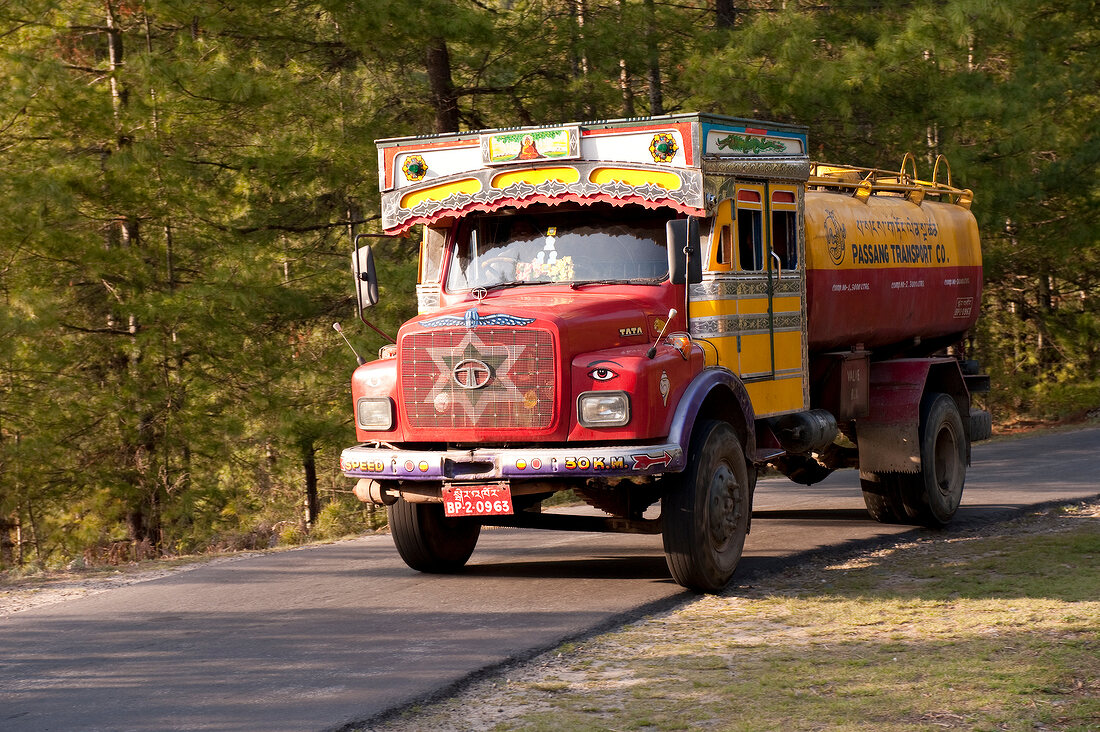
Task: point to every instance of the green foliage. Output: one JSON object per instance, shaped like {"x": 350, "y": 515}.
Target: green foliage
{"x": 181, "y": 179}
{"x": 340, "y": 518}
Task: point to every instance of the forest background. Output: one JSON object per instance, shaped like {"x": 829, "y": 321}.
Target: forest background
{"x": 181, "y": 180}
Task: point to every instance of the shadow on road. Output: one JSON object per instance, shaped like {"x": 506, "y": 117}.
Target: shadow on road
{"x": 821, "y": 516}
{"x": 595, "y": 567}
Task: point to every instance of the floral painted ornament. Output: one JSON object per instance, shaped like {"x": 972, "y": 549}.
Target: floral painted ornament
{"x": 415, "y": 168}
{"x": 663, "y": 148}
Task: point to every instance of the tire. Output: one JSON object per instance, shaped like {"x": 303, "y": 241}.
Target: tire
{"x": 932, "y": 496}
{"x": 706, "y": 517}
{"x": 929, "y": 497}
{"x": 428, "y": 541}
{"x": 882, "y": 496}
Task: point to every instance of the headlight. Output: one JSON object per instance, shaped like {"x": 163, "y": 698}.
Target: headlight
{"x": 374, "y": 413}
{"x": 603, "y": 408}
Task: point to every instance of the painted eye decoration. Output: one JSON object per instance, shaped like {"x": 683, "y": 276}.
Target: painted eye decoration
{"x": 602, "y": 373}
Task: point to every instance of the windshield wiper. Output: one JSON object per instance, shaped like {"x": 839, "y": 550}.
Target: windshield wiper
{"x": 506, "y": 285}
{"x": 635, "y": 281}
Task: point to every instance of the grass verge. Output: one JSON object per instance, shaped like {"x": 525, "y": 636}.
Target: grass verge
{"x": 994, "y": 629}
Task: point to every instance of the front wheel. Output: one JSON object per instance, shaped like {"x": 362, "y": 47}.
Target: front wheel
{"x": 428, "y": 540}
{"x": 706, "y": 517}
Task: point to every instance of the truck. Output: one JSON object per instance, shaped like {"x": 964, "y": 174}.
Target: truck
{"x": 649, "y": 312}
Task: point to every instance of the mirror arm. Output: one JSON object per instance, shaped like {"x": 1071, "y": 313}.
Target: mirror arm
{"x": 376, "y": 329}
{"x": 361, "y": 276}
{"x": 687, "y": 282}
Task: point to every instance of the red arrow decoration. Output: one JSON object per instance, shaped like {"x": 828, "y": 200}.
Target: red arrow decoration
{"x": 645, "y": 462}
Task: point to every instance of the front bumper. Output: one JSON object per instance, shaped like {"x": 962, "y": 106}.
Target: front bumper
{"x": 384, "y": 462}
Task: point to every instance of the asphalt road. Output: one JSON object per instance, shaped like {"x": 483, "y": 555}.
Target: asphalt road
{"x": 321, "y": 637}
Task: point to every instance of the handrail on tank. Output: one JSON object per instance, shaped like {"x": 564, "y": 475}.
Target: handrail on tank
{"x": 864, "y": 182}
{"x": 936, "y": 169}
{"x": 902, "y": 177}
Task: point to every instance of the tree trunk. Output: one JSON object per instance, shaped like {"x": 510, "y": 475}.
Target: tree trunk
{"x": 656, "y": 99}
{"x": 624, "y": 87}
{"x": 309, "y": 462}
{"x": 624, "y": 76}
{"x": 725, "y": 13}
{"x": 579, "y": 60}
{"x": 7, "y": 546}
{"x": 444, "y": 99}
{"x": 114, "y": 57}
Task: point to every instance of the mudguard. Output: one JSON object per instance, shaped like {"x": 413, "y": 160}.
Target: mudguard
{"x": 889, "y": 436}
{"x": 719, "y": 394}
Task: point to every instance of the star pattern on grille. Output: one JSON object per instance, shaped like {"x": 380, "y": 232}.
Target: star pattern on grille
{"x": 499, "y": 358}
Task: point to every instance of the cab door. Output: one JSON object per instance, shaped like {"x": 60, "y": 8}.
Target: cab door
{"x": 750, "y": 306}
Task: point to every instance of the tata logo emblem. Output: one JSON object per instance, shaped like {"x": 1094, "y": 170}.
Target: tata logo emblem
{"x": 470, "y": 373}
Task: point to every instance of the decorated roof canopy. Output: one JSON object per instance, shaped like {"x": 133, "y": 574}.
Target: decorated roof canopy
{"x": 654, "y": 162}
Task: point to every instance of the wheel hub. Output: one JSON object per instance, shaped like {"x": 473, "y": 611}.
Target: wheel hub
{"x": 946, "y": 461}
{"x": 723, "y": 509}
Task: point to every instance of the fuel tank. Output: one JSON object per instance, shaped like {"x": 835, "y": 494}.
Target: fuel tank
{"x": 885, "y": 271}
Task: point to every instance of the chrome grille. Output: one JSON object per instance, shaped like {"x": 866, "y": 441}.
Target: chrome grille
{"x": 442, "y": 368}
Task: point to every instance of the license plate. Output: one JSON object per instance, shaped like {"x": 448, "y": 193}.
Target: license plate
{"x": 482, "y": 500}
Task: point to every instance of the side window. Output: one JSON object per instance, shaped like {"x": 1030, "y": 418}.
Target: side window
{"x": 784, "y": 228}
{"x": 725, "y": 251}
{"x": 750, "y": 230}
{"x": 721, "y": 240}
{"x": 431, "y": 253}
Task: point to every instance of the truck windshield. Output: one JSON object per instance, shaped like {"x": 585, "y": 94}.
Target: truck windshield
{"x": 553, "y": 245}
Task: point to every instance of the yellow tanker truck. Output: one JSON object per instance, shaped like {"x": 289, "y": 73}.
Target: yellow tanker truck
{"x": 648, "y": 312}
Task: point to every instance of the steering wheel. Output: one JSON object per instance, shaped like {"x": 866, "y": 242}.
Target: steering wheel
{"x": 487, "y": 264}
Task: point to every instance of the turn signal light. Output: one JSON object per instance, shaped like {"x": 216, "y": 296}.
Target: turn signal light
{"x": 681, "y": 343}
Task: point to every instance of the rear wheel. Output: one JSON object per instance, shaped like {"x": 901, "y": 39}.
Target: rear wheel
{"x": 931, "y": 496}
{"x": 706, "y": 517}
{"x": 428, "y": 540}
{"x": 882, "y": 496}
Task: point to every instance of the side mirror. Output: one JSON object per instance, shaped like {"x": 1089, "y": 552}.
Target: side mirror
{"x": 685, "y": 261}
{"x": 366, "y": 280}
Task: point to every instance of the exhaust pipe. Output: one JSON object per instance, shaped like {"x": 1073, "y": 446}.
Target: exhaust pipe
{"x": 371, "y": 491}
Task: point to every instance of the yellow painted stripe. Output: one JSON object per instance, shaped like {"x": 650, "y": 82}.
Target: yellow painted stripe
{"x": 753, "y": 305}
{"x": 787, "y": 305}
{"x": 536, "y": 176}
{"x": 756, "y": 353}
{"x": 775, "y": 397}
{"x": 668, "y": 181}
{"x": 888, "y": 232}
{"x": 439, "y": 193}
{"x": 710, "y": 308}
{"x": 788, "y": 350}
{"x": 755, "y": 357}
{"x": 720, "y": 351}
{"x": 759, "y": 304}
